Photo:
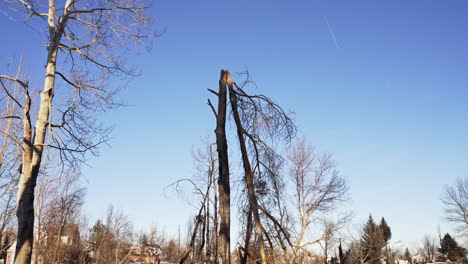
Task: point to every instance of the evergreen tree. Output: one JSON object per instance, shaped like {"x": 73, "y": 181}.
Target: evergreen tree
{"x": 450, "y": 249}
{"x": 372, "y": 242}
{"x": 386, "y": 235}
{"x": 386, "y": 231}
{"x": 407, "y": 255}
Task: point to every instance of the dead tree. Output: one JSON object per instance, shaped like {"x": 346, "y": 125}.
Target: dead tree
{"x": 249, "y": 177}
{"x": 202, "y": 181}
{"x": 224, "y": 185}
{"x": 257, "y": 119}
{"x": 206, "y": 178}
{"x": 86, "y": 40}
{"x": 199, "y": 219}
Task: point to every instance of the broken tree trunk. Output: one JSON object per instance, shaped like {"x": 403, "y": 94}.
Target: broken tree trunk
{"x": 223, "y": 179}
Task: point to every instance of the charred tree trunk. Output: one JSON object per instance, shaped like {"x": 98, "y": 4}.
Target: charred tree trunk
{"x": 202, "y": 236}
{"x": 207, "y": 226}
{"x": 249, "y": 177}
{"x": 199, "y": 220}
{"x": 223, "y": 179}
{"x": 192, "y": 240}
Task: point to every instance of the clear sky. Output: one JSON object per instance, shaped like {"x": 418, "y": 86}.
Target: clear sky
{"x": 381, "y": 84}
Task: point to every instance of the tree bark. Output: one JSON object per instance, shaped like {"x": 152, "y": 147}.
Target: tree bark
{"x": 31, "y": 165}
{"x": 34, "y": 145}
{"x": 248, "y": 171}
{"x": 223, "y": 179}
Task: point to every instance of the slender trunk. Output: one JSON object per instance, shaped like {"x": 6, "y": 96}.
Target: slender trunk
{"x": 248, "y": 172}
{"x": 281, "y": 241}
{"x": 223, "y": 179}
{"x": 248, "y": 235}
{"x": 203, "y": 231}
{"x": 32, "y": 158}
{"x": 25, "y": 199}
{"x": 194, "y": 235}
{"x": 325, "y": 251}
{"x": 207, "y": 226}
{"x": 215, "y": 221}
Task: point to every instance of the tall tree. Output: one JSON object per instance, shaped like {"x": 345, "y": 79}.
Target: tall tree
{"x": 224, "y": 185}
{"x": 372, "y": 242}
{"x": 85, "y": 43}
{"x": 257, "y": 119}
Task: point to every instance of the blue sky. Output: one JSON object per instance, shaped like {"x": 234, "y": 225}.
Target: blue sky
{"x": 381, "y": 84}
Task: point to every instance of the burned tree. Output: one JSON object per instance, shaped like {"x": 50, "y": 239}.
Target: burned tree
{"x": 202, "y": 233}
{"x": 224, "y": 185}
{"x": 257, "y": 120}
{"x": 85, "y": 44}
{"x": 261, "y": 126}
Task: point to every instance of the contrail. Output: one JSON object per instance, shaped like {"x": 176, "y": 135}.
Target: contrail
{"x": 332, "y": 34}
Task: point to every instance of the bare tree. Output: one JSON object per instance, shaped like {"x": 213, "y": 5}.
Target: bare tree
{"x": 429, "y": 248}
{"x": 202, "y": 234}
{"x": 206, "y": 165}
{"x": 318, "y": 190}
{"x": 85, "y": 43}
{"x": 10, "y": 154}
{"x": 258, "y": 119}
{"x": 60, "y": 219}
{"x": 455, "y": 201}
{"x": 260, "y": 125}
